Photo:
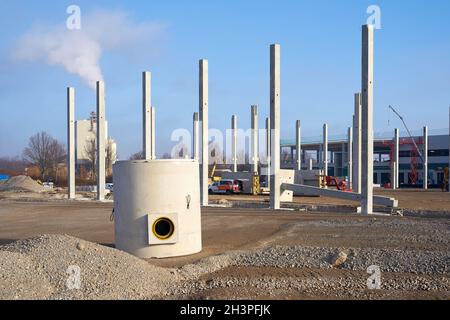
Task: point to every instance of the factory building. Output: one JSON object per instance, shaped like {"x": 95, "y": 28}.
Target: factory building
{"x": 410, "y": 161}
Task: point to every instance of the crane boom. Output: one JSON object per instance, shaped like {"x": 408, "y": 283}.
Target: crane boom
{"x": 409, "y": 132}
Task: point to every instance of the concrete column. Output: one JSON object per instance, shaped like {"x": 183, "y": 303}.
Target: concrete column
{"x": 146, "y": 116}
{"x": 153, "y": 133}
{"x": 350, "y": 157}
{"x": 203, "y": 106}
{"x": 71, "y": 143}
{"x": 234, "y": 142}
{"x": 325, "y": 149}
{"x": 275, "y": 83}
{"x": 195, "y": 137}
{"x": 268, "y": 150}
{"x": 367, "y": 119}
{"x": 101, "y": 147}
{"x": 255, "y": 136}
{"x": 357, "y": 140}
{"x": 394, "y": 176}
{"x": 298, "y": 142}
{"x": 425, "y": 158}
{"x": 310, "y": 166}
{"x": 396, "y": 159}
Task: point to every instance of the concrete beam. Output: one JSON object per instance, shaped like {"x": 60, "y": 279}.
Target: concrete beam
{"x": 71, "y": 143}
{"x": 350, "y": 156}
{"x": 146, "y": 115}
{"x": 268, "y": 150}
{"x": 275, "y": 83}
{"x": 425, "y": 158}
{"x": 367, "y": 119}
{"x": 314, "y": 191}
{"x": 195, "y": 137}
{"x": 203, "y": 110}
{"x": 101, "y": 147}
{"x": 255, "y": 136}
{"x": 234, "y": 142}
{"x": 298, "y": 143}
{"x": 357, "y": 143}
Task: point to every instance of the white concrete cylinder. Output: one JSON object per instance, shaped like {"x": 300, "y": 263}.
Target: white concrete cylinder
{"x": 157, "y": 208}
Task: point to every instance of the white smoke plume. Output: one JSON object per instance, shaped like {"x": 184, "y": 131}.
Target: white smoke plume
{"x": 80, "y": 51}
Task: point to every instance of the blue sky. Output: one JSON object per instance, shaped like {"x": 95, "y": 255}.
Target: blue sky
{"x": 320, "y": 42}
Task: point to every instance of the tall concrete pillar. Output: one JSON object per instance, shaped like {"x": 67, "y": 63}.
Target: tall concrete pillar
{"x": 357, "y": 144}
{"x": 234, "y": 142}
{"x": 268, "y": 150}
{"x": 325, "y": 149}
{"x": 350, "y": 157}
{"x": 255, "y": 136}
{"x": 275, "y": 83}
{"x": 146, "y": 116}
{"x": 71, "y": 143}
{"x": 367, "y": 119}
{"x": 425, "y": 158}
{"x": 203, "y": 106}
{"x": 195, "y": 137}
{"x": 153, "y": 133}
{"x": 394, "y": 176}
{"x": 101, "y": 147}
{"x": 396, "y": 159}
{"x": 298, "y": 143}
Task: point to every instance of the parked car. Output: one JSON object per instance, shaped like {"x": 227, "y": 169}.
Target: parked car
{"x": 225, "y": 186}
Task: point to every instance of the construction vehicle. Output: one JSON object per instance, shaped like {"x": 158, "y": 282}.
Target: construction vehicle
{"x": 329, "y": 181}
{"x": 212, "y": 177}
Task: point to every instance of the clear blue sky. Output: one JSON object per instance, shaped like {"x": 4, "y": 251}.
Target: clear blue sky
{"x": 320, "y": 43}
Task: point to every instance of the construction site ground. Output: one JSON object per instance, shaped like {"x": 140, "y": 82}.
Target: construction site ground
{"x": 287, "y": 254}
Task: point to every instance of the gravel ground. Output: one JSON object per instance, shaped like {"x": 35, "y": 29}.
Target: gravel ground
{"x": 39, "y": 266}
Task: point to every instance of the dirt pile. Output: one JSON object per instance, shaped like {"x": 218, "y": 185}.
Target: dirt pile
{"x": 63, "y": 267}
{"x": 21, "y": 183}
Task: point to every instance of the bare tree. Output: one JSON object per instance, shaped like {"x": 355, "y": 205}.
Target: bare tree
{"x": 44, "y": 152}
{"x": 137, "y": 156}
{"x": 110, "y": 157}
{"x": 91, "y": 154}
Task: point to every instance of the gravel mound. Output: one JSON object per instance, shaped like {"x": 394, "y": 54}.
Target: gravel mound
{"x": 21, "y": 183}
{"x": 44, "y": 268}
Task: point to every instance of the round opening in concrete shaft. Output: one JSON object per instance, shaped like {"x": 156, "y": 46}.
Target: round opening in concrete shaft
{"x": 163, "y": 228}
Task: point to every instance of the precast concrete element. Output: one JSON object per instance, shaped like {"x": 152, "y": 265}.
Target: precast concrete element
{"x": 71, "y": 143}
{"x": 154, "y": 217}
{"x": 315, "y": 191}
{"x": 350, "y": 156}
{"x": 254, "y": 139}
{"x": 298, "y": 143}
{"x": 310, "y": 166}
{"x": 153, "y": 132}
{"x": 367, "y": 119}
{"x": 325, "y": 151}
{"x": 275, "y": 72}
{"x": 195, "y": 137}
{"x": 394, "y": 175}
{"x": 425, "y": 158}
{"x": 268, "y": 150}
{"x": 146, "y": 115}
{"x": 357, "y": 140}
{"x": 234, "y": 142}
{"x": 396, "y": 157}
{"x": 203, "y": 110}
{"x": 101, "y": 147}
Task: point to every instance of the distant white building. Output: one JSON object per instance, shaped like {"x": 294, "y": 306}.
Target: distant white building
{"x": 86, "y": 135}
